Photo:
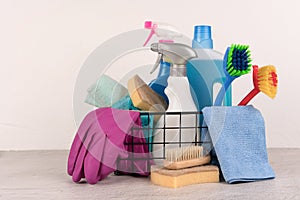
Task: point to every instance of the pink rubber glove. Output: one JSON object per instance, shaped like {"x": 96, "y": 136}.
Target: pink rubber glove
{"x": 100, "y": 141}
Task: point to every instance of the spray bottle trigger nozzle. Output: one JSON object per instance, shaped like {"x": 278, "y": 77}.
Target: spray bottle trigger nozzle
{"x": 157, "y": 62}
{"x": 149, "y": 37}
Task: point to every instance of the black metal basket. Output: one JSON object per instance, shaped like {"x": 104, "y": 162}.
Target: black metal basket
{"x": 165, "y": 130}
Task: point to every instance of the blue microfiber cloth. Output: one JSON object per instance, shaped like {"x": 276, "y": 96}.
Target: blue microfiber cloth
{"x": 124, "y": 103}
{"x": 238, "y": 137}
{"x": 147, "y": 124}
{"x": 105, "y": 92}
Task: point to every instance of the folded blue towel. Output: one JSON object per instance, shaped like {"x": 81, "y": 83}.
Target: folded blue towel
{"x": 105, "y": 92}
{"x": 238, "y": 137}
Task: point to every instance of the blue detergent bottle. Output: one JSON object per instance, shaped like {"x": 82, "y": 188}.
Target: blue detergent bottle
{"x": 205, "y": 73}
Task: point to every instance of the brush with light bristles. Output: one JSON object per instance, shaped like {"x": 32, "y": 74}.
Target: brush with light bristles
{"x": 236, "y": 63}
{"x": 184, "y": 157}
{"x": 264, "y": 80}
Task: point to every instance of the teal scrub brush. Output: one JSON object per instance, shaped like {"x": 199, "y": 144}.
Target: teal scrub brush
{"x": 236, "y": 63}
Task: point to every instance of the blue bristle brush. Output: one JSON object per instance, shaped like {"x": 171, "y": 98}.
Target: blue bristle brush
{"x": 236, "y": 63}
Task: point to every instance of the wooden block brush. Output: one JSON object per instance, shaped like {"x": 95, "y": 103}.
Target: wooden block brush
{"x": 184, "y": 157}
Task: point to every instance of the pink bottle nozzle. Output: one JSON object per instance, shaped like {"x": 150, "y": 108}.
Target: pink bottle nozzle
{"x": 148, "y": 24}
{"x": 161, "y": 30}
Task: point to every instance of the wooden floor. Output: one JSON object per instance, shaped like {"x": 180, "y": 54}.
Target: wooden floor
{"x": 42, "y": 175}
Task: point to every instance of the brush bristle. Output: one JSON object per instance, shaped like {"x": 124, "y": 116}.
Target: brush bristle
{"x": 184, "y": 153}
{"x": 238, "y": 60}
{"x": 267, "y": 80}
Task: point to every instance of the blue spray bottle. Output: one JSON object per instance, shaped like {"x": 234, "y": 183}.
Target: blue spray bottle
{"x": 205, "y": 71}
{"x": 166, "y": 33}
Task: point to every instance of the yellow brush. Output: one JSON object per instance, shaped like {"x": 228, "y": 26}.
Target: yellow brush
{"x": 264, "y": 80}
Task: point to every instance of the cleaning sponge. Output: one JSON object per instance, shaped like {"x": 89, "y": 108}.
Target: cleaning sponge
{"x": 178, "y": 178}
{"x": 143, "y": 97}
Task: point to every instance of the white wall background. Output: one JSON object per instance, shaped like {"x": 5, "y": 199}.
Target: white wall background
{"x": 43, "y": 44}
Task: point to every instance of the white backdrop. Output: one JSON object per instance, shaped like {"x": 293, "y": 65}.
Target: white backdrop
{"x": 43, "y": 44}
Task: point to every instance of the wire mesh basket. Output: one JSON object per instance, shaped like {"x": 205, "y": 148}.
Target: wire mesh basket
{"x": 173, "y": 129}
